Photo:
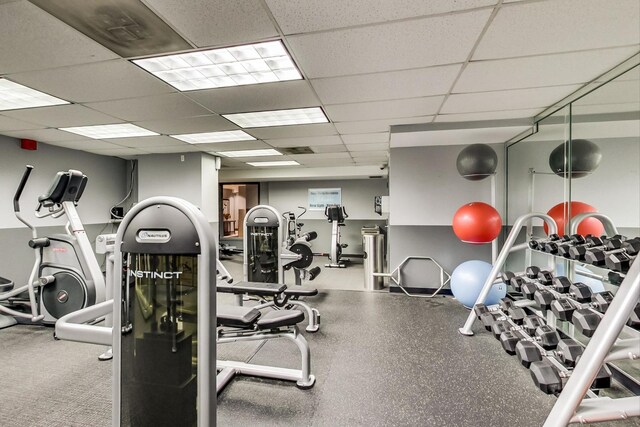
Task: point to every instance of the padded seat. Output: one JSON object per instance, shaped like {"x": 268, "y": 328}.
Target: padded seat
{"x": 300, "y": 292}
{"x": 236, "y": 316}
{"x": 278, "y": 319}
{"x": 253, "y": 288}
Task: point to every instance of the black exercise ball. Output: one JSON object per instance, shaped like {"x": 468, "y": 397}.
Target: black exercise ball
{"x": 477, "y": 161}
{"x": 585, "y": 158}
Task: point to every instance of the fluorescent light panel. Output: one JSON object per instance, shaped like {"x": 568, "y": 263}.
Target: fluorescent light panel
{"x": 14, "y": 96}
{"x": 206, "y": 137}
{"x": 232, "y": 66}
{"x": 298, "y": 116}
{"x": 121, "y": 130}
{"x": 280, "y": 163}
{"x": 251, "y": 153}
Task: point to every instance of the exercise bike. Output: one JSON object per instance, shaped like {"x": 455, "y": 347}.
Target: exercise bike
{"x": 66, "y": 275}
{"x": 336, "y": 215}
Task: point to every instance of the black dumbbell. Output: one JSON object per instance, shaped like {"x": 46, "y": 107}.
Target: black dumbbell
{"x": 601, "y": 300}
{"x": 500, "y": 326}
{"x": 507, "y": 276}
{"x": 561, "y": 284}
{"x": 578, "y": 252}
{"x": 545, "y": 277}
{"x": 563, "y": 309}
{"x": 545, "y": 336}
{"x": 578, "y": 291}
{"x": 551, "y": 247}
{"x": 598, "y": 255}
{"x": 549, "y": 379}
{"x": 621, "y": 261}
{"x": 567, "y": 352}
{"x": 531, "y": 323}
{"x": 543, "y": 298}
{"x": 586, "y": 321}
{"x": 532, "y": 272}
{"x": 576, "y": 240}
{"x": 539, "y": 244}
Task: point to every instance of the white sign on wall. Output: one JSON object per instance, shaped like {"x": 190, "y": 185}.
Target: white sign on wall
{"x": 321, "y": 197}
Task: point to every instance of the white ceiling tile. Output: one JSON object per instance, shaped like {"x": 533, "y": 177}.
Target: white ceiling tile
{"x": 216, "y": 23}
{"x": 260, "y": 97}
{"x": 493, "y": 135}
{"x": 615, "y": 92}
{"x": 35, "y": 36}
{"x": 389, "y": 85}
{"x": 231, "y": 146}
{"x": 537, "y": 71}
{"x": 366, "y": 138}
{"x": 305, "y": 141}
{"x": 115, "y": 151}
{"x": 83, "y": 144}
{"x": 103, "y": 81}
{"x": 9, "y": 123}
{"x": 185, "y": 148}
{"x": 372, "y": 153}
{"x": 166, "y": 106}
{"x": 318, "y": 156}
{"x": 386, "y": 47}
{"x": 560, "y": 26}
{"x": 297, "y": 131}
{"x": 45, "y": 135}
{"x": 177, "y": 126}
{"x": 329, "y": 148}
{"x": 490, "y": 115}
{"x": 309, "y": 16}
{"x": 373, "y": 126}
{"x": 147, "y": 143}
{"x": 370, "y": 160}
{"x": 63, "y": 116}
{"x": 326, "y": 162}
{"x": 384, "y": 109}
{"x": 368, "y": 147}
{"x": 518, "y": 99}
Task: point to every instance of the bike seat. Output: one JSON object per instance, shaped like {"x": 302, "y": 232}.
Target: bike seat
{"x": 296, "y": 292}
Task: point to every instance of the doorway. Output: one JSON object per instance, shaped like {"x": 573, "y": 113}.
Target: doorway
{"x": 236, "y": 200}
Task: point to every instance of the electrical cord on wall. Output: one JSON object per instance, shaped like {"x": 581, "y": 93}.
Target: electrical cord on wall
{"x": 114, "y": 215}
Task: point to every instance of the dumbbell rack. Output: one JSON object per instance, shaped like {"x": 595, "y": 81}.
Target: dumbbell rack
{"x": 603, "y": 347}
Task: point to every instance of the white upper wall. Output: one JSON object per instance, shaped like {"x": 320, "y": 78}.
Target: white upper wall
{"x": 106, "y": 185}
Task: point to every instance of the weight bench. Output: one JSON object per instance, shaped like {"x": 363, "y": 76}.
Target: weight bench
{"x": 236, "y": 323}
{"x": 275, "y": 295}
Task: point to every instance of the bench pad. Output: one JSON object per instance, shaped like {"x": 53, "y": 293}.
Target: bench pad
{"x": 280, "y": 318}
{"x": 236, "y": 316}
{"x": 300, "y": 292}
{"x": 253, "y": 288}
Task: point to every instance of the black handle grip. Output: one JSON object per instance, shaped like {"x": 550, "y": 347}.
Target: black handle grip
{"x": 23, "y": 182}
{"x": 314, "y": 272}
{"x": 312, "y": 235}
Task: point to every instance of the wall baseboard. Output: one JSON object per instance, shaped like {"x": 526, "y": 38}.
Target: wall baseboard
{"x": 397, "y": 290}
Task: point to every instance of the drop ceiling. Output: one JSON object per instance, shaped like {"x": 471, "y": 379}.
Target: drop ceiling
{"x": 413, "y": 62}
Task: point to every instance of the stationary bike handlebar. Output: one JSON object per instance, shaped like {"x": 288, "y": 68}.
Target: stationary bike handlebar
{"x": 23, "y": 182}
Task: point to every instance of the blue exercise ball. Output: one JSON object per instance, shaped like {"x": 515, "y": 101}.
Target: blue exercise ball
{"x": 467, "y": 281}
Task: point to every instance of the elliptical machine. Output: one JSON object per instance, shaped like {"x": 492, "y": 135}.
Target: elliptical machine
{"x": 66, "y": 276}
{"x": 336, "y": 215}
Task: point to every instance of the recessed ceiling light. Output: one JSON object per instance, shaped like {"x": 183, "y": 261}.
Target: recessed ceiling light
{"x": 14, "y": 96}
{"x": 121, "y": 130}
{"x": 298, "y": 116}
{"x": 250, "y": 153}
{"x": 232, "y": 66}
{"x": 280, "y": 163}
{"x": 205, "y": 137}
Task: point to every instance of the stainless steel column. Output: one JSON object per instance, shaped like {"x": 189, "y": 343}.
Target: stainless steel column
{"x": 373, "y": 246}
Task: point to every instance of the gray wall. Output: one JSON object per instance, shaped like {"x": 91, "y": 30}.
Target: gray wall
{"x": 425, "y": 190}
{"x": 107, "y": 185}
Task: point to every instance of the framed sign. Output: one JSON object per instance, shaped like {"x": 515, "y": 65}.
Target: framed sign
{"x": 321, "y": 197}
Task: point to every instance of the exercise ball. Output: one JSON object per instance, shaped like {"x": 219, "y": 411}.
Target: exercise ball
{"x": 585, "y": 158}
{"x": 467, "y": 281}
{"x": 477, "y": 161}
{"x": 477, "y": 223}
{"x": 587, "y": 226}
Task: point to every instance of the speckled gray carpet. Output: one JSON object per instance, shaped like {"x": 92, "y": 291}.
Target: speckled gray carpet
{"x": 380, "y": 360}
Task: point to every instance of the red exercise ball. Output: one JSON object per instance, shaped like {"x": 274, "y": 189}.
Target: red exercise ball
{"x": 477, "y": 223}
{"x": 587, "y": 226}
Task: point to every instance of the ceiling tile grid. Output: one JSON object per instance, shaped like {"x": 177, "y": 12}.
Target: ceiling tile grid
{"x": 166, "y": 106}
{"x": 63, "y": 116}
